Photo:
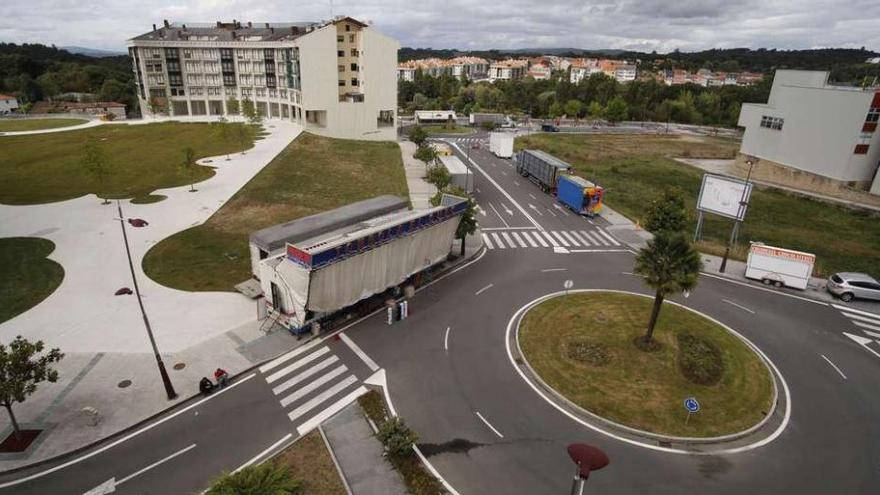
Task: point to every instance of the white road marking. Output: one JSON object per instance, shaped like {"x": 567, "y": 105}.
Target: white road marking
{"x": 478, "y": 190}
{"x": 361, "y": 354}
{"x": 551, "y": 239}
{"x": 305, "y": 374}
{"x": 337, "y": 406}
{"x": 862, "y": 341}
{"x": 847, "y": 309}
{"x": 498, "y": 241}
{"x": 322, "y": 397}
{"x": 482, "y": 212}
{"x": 540, "y": 239}
{"x": 833, "y": 366}
{"x": 874, "y": 325}
{"x": 312, "y": 386}
{"x": 487, "y": 242}
{"x": 529, "y": 238}
{"x": 490, "y": 229}
{"x": 577, "y": 236}
{"x": 551, "y": 212}
{"x": 608, "y": 236}
{"x": 561, "y": 239}
{"x": 560, "y": 250}
{"x": 547, "y": 270}
{"x": 484, "y": 289}
{"x": 600, "y": 238}
{"x": 589, "y": 236}
{"x": 489, "y": 425}
{"x": 503, "y": 173}
{"x": 506, "y": 209}
{"x": 518, "y": 239}
{"x": 757, "y": 287}
{"x": 533, "y": 196}
{"x": 298, "y": 364}
{"x": 507, "y": 238}
{"x": 151, "y": 466}
{"x": 516, "y": 183}
{"x": 872, "y": 334}
{"x": 446, "y": 340}
{"x": 290, "y": 355}
{"x": 499, "y": 215}
{"x": 264, "y": 453}
{"x": 570, "y": 238}
{"x": 536, "y": 209}
{"x": 738, "y": 306}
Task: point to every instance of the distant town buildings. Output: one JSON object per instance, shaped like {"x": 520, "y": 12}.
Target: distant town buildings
{"x": 506, "y": 70}
{"x": 707, "y": 78}
{"x": 285, "y": 69}
{"x": 460, "y": 67}
{"x": 97, "y": 108}
{"x": 814, "y": 135}
{"x": 8, "y": 104}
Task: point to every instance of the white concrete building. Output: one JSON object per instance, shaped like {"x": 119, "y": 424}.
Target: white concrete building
{"x": 8, "y": 104}
{"x": 336, "y": 79}
{"x": 625, "y": 73}
{"x": 505, "y": 70}
{"x": 814, "y": 135}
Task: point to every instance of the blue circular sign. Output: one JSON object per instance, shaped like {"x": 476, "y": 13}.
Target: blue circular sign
{"x": 691, "y": 404}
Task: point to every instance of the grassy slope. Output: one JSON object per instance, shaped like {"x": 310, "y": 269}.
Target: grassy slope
{"x": 26, "y": 276}
{"x": 14, "y": 125}
{"x": 634, "y": 169}
{"x": 732, "y": 405}
{"x": 45, "y": 168}
{"x": 311, "y": 463}
{"x": 311, "y": 175}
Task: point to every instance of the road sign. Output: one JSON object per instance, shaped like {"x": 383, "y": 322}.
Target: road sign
{"x": 568, "y": 284}
{"x": 691, "y": 404}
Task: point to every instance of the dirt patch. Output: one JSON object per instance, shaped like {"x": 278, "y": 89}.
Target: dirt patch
{"x": 586, "y": 351}
{"x": 19, "y": 443}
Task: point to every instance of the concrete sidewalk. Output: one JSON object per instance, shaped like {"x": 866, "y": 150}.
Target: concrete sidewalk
{"x": 361, "y": 455}
{"x": 420, "y": 190}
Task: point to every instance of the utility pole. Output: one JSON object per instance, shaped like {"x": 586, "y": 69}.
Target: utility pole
{"x": 742, "y": 204}
{"x": 166, "y": 380}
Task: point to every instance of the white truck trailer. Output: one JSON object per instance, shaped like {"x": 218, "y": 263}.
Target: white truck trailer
{"x": 501, "y": 144}
{"x": 780, "y": 266}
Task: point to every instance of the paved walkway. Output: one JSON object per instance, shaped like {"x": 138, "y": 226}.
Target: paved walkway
{"x": 420, "y": 190}
{"x": 90, "y": 123}
{"x": 108, "y": 363}
{"x": 361, "y": 455}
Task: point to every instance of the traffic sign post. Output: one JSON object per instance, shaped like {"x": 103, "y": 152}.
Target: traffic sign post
{"x": 568, "y": 284}
{"x": 692, "y": 406}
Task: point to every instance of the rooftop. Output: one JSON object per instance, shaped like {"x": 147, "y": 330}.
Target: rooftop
{"x": 235, "y": 30}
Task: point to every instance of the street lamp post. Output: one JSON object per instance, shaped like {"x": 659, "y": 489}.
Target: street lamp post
{"x": 166, "y": 380}
{"x": 742, "y": 204}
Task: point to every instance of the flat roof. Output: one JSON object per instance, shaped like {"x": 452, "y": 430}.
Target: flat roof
{"x": 301, "y": 229}
{"x": 547, "y": 157}
{"x": 453, "y": 164}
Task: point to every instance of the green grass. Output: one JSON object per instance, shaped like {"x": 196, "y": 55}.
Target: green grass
{"x": 142, "y": 158}
{"x": 643, "y": 390}
{"x": 313, "y": 174}
{"x": 26, "y": 275}
{"x": 433, "y": 129}
{"x": 15, "y": 125}
{"x": 634, "y": 169}
{"x": 310, "y": 462}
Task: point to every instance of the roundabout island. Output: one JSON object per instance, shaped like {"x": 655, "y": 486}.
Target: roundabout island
{"x": 588, "y": 348}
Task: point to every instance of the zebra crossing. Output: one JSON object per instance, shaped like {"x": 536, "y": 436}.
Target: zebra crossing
{"x": 472, "y": 141}
{"x": 516, "y": 239}
{"x": 868, "y": 323}
{"x": 313, "y": 382}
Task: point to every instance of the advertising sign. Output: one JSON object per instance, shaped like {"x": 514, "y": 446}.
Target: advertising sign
{"x": 724, "y": 196}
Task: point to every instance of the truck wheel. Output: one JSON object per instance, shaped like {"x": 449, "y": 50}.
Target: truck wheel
{"x": 846, "y": 297}
{"x": 777, "y": 284}
{"x": 766, "y": 281}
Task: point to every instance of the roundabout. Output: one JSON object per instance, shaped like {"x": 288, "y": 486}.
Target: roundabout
{"x": 579, "y": 351}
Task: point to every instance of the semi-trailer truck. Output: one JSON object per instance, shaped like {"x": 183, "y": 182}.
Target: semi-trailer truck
{"x": 579, "y": 194}
{"x": 541, "y": 168}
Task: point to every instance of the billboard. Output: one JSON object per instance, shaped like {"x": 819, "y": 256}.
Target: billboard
{"x": 722, "y": 195}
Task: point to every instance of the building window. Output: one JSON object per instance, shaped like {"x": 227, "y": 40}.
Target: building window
{"x": 341, "y": 83}
{"x": 354, "y": 67}
{"x": 354, "y": 52}
{"x": 774, "y": 123}
{"x": 341, "y": 68}
{"x": 340, "y": 53}
{"x": 873, "y": 115}
{"x": 861, "y": 149}
{"x": 340, "y": 38}
{"x": 348, "y": 27}
{"x": 354, "y": 81}
{"x": 351, "y": 38}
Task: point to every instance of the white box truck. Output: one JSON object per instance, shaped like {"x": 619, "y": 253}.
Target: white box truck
{"x": 501, "y": 144}
{"x": 779, "y": 266}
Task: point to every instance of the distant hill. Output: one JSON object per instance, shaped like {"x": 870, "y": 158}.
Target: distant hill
{"x": 91, "y": 52}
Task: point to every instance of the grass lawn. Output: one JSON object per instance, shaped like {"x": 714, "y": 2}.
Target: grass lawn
{"x": 635, "y": 168}
{"x": 311, "y": 175}
{"x": 142, "y": 158}
{"x": 14, "y": 125}
{"x": 441, "y": 129}
{"x": 311, "y": 463}
{"x": 26, "y": 276}
{"x": 644, "y": 390}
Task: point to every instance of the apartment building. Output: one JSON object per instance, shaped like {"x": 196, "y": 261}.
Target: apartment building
{"x": 814, "y": 135}
{"x": 334, "y": 78}
{"x": 460, "y": 67}
{"x": 505, "y": 70}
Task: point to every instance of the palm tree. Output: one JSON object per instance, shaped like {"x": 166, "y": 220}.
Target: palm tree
{"x": 265, "y": 478}
{"x": 669, "y": 265}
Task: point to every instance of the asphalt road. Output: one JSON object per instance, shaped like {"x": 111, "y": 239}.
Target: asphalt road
{"x": 482, "y": 426}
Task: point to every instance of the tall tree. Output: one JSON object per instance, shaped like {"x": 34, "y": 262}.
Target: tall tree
{"x": 189, "y": 166}
{"x": 22, "y": 368}
{"x": 572, "y": 109}
{"x": 669, "y": 265}
{"x": 226, "y": 134}
{"x": 617, "y": 109}
{"x": 243, "y": 136}
{"x": 248, "y": 110}
{"x": 95, "y": 163}
{"x": 233, "y": 107}
{"x": 666, "y": 213}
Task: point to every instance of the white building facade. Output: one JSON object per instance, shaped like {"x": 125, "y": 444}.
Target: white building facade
{"x": 815, "y": 135}
{"x": 335, "y": 79}
{"x": 8, "y": 104}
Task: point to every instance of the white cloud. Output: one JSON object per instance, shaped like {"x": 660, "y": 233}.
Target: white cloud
{"x": 660, "y": 25}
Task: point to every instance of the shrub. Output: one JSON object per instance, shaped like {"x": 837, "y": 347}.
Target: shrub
{"x": 588, "y": 352}
{"x": 269, "y": 478}
{"x": 397, "y": 437}
{"x": 699, "y": 360}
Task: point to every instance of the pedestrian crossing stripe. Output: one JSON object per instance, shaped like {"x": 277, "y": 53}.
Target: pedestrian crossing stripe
{"x": 553, "y": 239}
{"x": 868, "y": 323}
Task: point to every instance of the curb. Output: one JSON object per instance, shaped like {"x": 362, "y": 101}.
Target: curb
{"x": 660, "y": 438}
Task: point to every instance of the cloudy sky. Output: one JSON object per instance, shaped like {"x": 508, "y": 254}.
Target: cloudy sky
{"x": 645, "y": 25}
